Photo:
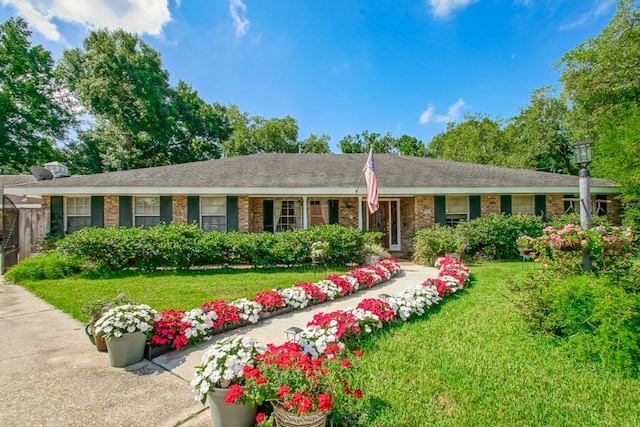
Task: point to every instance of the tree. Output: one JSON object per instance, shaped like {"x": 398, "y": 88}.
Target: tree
{"x": 539, "y": 137}
{"x": 362, "y": 142}
{"x": 199, "y": 127}
{"x": 316, "y": 144}
{"x": 601, "y": 78}
{"x": 256, "y": 134}
{"x": 120, "y": 81}
{"x": 410, "y": 146}
{"x": 35, "y": 112}
{"x": 477, "y": 139}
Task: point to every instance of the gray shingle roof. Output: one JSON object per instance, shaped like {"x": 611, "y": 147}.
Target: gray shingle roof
{"x": 320, "y": 171}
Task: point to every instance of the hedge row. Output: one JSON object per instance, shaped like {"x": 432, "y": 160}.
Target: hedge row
{"x": 182, "y": 246}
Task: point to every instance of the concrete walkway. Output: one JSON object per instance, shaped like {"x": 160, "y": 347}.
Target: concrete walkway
{"x": 52, "y": 375}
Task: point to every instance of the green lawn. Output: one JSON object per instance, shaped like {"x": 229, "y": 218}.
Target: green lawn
{"x": 180, "y": 291}
{"x": 472, "y": 362}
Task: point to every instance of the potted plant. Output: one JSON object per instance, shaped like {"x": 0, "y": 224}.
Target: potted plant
{"x": 302, "y": 390}
{"x": 93, "y": 310}
{"x": 221, "y": 368}
{"x": 124, "y": 327}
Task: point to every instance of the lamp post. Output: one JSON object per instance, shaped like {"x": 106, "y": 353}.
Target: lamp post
{"x": 582, "y": 157}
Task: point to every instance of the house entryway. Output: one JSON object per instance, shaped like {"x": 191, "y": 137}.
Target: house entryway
{"x": 387, "y": 220}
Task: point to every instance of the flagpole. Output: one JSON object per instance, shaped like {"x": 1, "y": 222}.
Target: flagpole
{"x": 359, "y": 181}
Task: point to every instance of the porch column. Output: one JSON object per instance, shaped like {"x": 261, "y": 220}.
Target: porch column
{"x": 360, "y": 222}
{"x": 305, "y": 220}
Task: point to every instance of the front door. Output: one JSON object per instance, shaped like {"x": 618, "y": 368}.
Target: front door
{"x": 379, "y": 221}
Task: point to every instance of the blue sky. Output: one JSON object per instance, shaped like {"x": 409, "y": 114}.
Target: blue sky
{"x": 341, "y": 67}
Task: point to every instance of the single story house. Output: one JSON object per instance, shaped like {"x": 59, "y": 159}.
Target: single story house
{"x": 280, "y": 192}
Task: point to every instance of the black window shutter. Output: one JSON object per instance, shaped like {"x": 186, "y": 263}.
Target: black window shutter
{"x": 232, "y": 213}
{"x": 603, "y": 206}
{"x": 440, "y": 209}
{"x": 475, "y": 211}
{"x": 540, "y": 206}
{"x": 334, "y": 212}
{"x": 568, "y": 206}
{"x": 57, "y": 216}
{"x": 267, "y": 215}
{"x": 166, "y": 209}
{"x": 97, "y": 211}
{"x": 505, "y": 204}
{"x": 193, "y": 209}
{"x": 125, "y": 214}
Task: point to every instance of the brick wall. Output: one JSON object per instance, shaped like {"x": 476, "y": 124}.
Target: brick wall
{"x": 423, "y": 206}
{"x": 45, "y": 201}
{"x": 614, "y": 209}
{"x": 489, "y": 204}
{"x": 111, "y": 211}
{"x": 256, "y": 215}
{"x": 348, "y": 212}
{"x": 243, "y": 214}
{"x": 555, "y": 205}
{"x": 179, "y": 205}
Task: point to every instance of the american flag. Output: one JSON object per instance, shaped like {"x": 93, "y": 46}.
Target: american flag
{"x": 372, "y": 183}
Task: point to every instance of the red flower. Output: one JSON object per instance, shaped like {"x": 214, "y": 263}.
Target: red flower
{"x": 346, "y": 363}
{"x": 282, "y": 391}
{"x": 260, "y": 417}
{"x": 261, "y": 380}
{"x": 324, "y": 402}
{"x": 270, "y": 300}
{"x": 358, "y": 394}
{"x": 234, "y": 393}
{"x": 312, "y": 290}
{"x": 357, "y": 353}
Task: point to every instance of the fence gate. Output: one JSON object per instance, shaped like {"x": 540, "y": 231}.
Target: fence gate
{"x": 9, "y": 235}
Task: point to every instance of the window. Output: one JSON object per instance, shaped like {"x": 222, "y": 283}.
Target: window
{"x": 78, "y": 213}
{"x": 457, "y": 209}
{"x": 146, "y": 211}
{"x": 318, "y": 212}
{"x": 522, "y": 205}
{"x": 213, "y": 213}
{"x": 288, "y": 214}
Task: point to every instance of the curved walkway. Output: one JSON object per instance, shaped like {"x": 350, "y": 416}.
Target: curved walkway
{"x": 52, "y": 375}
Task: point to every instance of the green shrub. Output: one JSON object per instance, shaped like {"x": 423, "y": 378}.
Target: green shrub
{"x": 430, "y": 243}
{"x": 494, "y": 236}
{"x": 49, "y": 265}
{"x": 345, "y": 243}
{"x": 594, "y": 317}
{"x": 559, "y": 221}
{"x": 372, "y": 237}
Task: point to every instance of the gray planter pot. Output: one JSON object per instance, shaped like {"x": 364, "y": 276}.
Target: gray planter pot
{"x": 127, "y": 349}
{"x": 225, "y": 415}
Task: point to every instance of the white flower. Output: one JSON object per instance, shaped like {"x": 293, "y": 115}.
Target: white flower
{"x": 126, "y": 318}
{"x": 248, "y": 310}
{"x": 295, "y": 296}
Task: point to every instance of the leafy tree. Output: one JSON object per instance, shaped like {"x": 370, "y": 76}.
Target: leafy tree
{"x": 259, "y": 135}
{"x": 362, "y": 142}
{"x": 119, "y": 80}
{"x": 601, "y": 79}
{"x": 35, "y": 111}
{"x": 316, "y": 144}
{"x": 477, "y": 139}
{"x": 410, "y": 146}
{"x": 538, "y": 137}
{"x": 199, "y": 127}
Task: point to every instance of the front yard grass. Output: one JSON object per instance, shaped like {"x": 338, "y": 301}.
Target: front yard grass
{"x": 177, "y": 290}
{"x": 473, "y": 362}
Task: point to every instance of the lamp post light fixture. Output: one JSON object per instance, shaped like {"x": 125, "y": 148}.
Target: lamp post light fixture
{"x": 293, "y": 334}
{"x": 582, "y": 152}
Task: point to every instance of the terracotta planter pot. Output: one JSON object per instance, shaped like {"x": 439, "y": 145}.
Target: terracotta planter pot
{"x": 225, "y": 415}
{"x": 127, "y": 349}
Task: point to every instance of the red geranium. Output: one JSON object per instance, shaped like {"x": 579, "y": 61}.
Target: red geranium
{"x": 170, "y": 328}
{"x": 270, "y": 300}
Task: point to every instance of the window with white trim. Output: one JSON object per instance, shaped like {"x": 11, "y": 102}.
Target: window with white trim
{"x": 457, "y": 209}
{"x": 213, "y": 213}
{"x": 522, "y": 205}
{"x": 78, "y": 213}
{"x": 288, "y": 215}
{"x": 146, "y": 211}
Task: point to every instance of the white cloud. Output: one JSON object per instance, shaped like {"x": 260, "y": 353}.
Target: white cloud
{"x": 452, "y": 115}
{"x": 238, "y": 11}
{"x": 443, "y": 8}
{"x": 137, "y": 16}
{"x": 427, "y": 115}
{"x": 600, "y": 7}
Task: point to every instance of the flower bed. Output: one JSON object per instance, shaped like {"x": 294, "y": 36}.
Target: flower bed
{"x": 323, "y": 338}
{"x": 181, "y": 328}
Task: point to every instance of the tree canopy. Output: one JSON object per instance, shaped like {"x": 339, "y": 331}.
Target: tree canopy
{"x": 35, "y": 110}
